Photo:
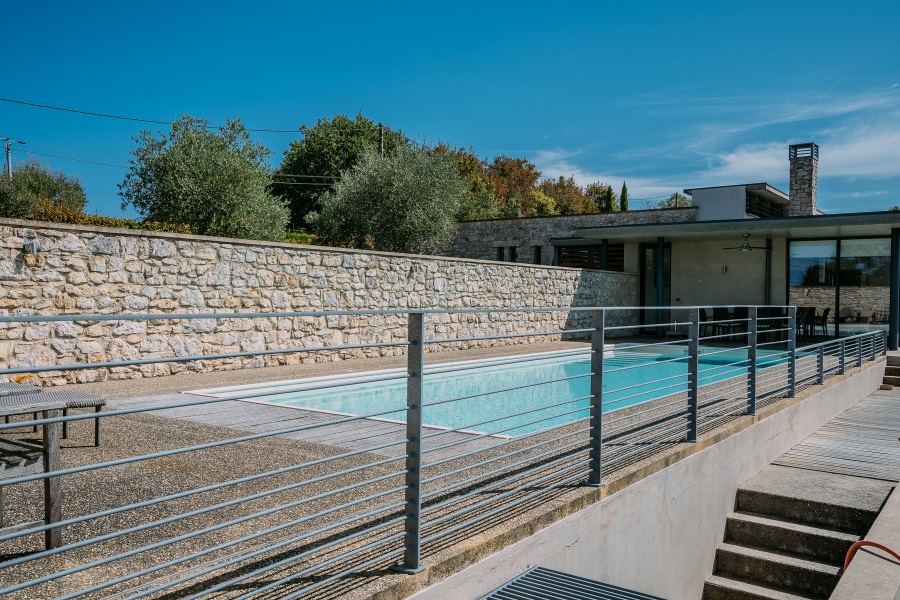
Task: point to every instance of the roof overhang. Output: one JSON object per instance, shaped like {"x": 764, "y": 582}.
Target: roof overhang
{"x": 763, "y": 190}
{"x": 873, "y": 224}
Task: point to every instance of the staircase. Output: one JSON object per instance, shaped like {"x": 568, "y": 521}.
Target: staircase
{"x": 892, "y": 371}
{"x": 779, "y": 546}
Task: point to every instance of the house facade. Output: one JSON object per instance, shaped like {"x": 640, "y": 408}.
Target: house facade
{"x": 748, "y": 244}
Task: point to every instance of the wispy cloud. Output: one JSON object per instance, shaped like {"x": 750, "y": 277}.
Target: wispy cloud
{"x": 558, "y": 162}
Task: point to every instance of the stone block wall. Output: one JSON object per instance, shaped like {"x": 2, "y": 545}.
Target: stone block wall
{"x": 81, "y": 270}
{"x": 480, "y": 239}
{"x": 804, "y": 187}
{"x": 876, "y": 298}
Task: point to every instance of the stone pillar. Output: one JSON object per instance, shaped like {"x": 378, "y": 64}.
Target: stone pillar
{"x": 804, "y": 159}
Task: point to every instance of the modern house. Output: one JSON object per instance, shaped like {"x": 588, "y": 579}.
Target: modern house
{"x": 736, "y": 245}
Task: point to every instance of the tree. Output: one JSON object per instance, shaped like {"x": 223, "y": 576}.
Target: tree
{"x": 325, "y": 152}
{"x": 569, "y": 197}
{"x": 603, "y": 195}
{"x": 402, "y": 203}
{"x": 33, "y": 185}
{"x": 623, "y": 198}
{"x": 514, "y": 179}
{"x": 215, "y": 181}
{"x": 480, "y": 200}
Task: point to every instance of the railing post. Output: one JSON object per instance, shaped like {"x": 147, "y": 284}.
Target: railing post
{"x": 753, "y": 330}
{"x": 598, "y": 343}
{"x": 792, "y": 351}
{"x": 413, "y": 510}
{"x": 843, "y": 360}
{"x": 874, "y": 351}
{"x": 859, "y": 352}
{"x": 693, "y": 374}
{"x": 820, "y": 365}
{"x": 884, "y": 345}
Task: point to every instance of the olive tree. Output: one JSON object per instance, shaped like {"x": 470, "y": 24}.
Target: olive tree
{"x": 402, "y": 203}
{"x": 215, "y": 180}
{"x": 33, "y": 185}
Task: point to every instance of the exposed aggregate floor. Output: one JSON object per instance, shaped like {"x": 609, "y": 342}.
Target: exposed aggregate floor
{"x": 283, "y": 552}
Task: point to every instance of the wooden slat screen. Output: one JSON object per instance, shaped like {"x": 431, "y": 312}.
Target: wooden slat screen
{"x": 590, "y": 257}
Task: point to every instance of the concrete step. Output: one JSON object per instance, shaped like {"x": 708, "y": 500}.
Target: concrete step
{"x": 773, "y": 533}
{"x": 776, "y": 569}
{"x": 892, "y": 370}
{"x": 892, "y": 380}
{"x": 850, "y": 519}
{"x": 728, "y": 588}
{"x": 893, "y": 360}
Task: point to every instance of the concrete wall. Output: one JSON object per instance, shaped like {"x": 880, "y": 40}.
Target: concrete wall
{"x": 714, "y": 204}
{"x": 87, "y": 270}
{"x": 480, "y": 239}
{"x": 659, "y": 535}
{"x": 698, "y": 277}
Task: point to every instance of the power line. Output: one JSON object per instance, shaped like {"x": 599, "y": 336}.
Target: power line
{"x": 155, "y": 122}
{"x": 91, "y": 162}
{"x": 76, "y": 151}
{"x": 84, "y": 112}
{"x": 300, "y": 183}
{"x": 306, "y": 176}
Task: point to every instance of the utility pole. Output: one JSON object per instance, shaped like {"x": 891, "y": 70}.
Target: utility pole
{"x": 8, "y": 143}
{"x": 8, "y": 160}
{"x": 380, "y": 138}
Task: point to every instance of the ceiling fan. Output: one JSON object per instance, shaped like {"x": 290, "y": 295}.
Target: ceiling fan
{"x": 745, "y": 246}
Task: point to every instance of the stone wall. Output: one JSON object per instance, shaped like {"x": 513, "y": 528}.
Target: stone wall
{"x": 804, "y": 186}
{"x": 480, "y": 239}
{"x": 81, "y": 270}
{"x": 876, "y": 298}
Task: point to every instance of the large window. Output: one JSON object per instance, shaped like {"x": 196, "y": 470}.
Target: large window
{"x": 840, "y": 287}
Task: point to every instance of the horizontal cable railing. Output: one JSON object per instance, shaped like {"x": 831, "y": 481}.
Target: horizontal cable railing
{"x": 295, "y": 485}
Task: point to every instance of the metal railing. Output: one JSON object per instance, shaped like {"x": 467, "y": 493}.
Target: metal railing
{"x": 203, "y": 495}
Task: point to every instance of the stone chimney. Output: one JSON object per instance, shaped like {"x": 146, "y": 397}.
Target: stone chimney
{"x": 804, "y": 179}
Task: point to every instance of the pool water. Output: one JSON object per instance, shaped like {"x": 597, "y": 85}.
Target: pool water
{"x": 644, "y": 377}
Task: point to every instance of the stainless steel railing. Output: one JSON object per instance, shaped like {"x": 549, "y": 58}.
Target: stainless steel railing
{"x": 313, "y": 497}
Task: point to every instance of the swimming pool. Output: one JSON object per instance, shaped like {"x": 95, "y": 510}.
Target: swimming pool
{"x": 630, "y": 377}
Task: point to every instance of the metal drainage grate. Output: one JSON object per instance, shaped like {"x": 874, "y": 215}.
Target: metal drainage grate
{"x": 539, "y": 583}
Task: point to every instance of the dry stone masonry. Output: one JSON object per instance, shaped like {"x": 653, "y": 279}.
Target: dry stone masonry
{"x": 480, "y": 239}
{"x": 81, "y": 270}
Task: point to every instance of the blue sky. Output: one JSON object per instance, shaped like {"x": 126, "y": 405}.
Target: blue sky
{"x": 663, "y": 95}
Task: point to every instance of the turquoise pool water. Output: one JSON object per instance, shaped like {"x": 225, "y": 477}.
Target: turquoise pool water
{"x": 651, "y": 376}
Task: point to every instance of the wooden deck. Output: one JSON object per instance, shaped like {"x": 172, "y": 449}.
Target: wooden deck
{"x": 255, "y": 417}
{"x": 862, "y": 441}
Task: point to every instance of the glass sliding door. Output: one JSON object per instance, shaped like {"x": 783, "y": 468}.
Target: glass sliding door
{"x": 864, "y": 280}
{"x": 650, "y": 293}
{"x": 813, "y": 275}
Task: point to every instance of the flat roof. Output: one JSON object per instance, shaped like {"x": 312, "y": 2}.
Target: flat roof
{"x": 869, "y": 224}
{"x": 762, "y": 189}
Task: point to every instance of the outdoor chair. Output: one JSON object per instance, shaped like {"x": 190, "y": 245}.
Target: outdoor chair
{"x": 704, "y": 326}
{"x": 723, "y": 323}
{"x": 822, "y": 321}
{"x": 865, "y": 315}
{"x": 741, "y": 317}
{"x": 845, "y": 314}
{"x": 801, "y": 322}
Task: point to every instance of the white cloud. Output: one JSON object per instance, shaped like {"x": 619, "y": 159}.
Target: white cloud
{"x": 559, "y": 163}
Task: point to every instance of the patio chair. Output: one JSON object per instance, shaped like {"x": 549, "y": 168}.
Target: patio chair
{"x": 801, "y": 322}
{"x": 704, "y": 326}
{"x": 821, "y": 321}
{"x": 865, "y": 315}
{"x": 723, "y": 324}
{"x": 845, "y": 314}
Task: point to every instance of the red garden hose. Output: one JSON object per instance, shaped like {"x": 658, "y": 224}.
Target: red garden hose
{"x": 862, "y": 543}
